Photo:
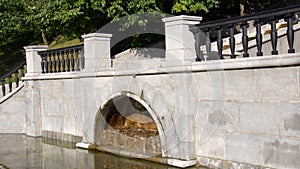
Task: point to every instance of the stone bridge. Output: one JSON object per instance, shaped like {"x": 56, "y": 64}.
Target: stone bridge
{"x": 226, "y": 113}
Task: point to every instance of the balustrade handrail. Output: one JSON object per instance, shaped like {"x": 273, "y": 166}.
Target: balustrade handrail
{"x": 255, "y": 16}
{"x": 65, "y": 59}
{"x": 13, "y": 70}
{"x": 220, "y": 26}
{"x": 61, "y": 49}
{"x": 9, "y": 75}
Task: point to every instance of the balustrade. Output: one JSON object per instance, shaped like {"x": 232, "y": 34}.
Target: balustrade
{"x": 227, "y": 28}
{"x": 63, "y": 59}
{"x": 13, "y": 76}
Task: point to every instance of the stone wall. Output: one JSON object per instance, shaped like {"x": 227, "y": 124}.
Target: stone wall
{"x": 249, "y": 116}
{"x": 60, "y": 118}
{"x": 137, "y": 145}
{"x": 241, "y": 111}
{"x": 12, "y": 112}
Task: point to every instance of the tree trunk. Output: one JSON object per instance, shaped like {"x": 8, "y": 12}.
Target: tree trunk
{"x": 44, "y": 37}
{"x": 242, "y": 8}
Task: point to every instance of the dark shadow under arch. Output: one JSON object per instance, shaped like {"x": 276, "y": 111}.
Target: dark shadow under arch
{"x": 127, "y": 122}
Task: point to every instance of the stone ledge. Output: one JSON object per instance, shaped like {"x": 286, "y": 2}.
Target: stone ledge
{"x": 219, "y": 163}
{"x": 181, "y": 163}
{"x": 248, "y": 63}
{"x": 216, "y": 65}
{"x": 84, "y": 145}
{"x": 169, "y": 161}
{"x": 61, "y": 136}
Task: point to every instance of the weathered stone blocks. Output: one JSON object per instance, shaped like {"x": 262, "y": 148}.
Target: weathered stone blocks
{"x": 286, "y": 88}
{"x": 259, "y": 117}
{"x": 243, "y": 148}
{"x": 116, "y": 140}
{"x": 281, "y": 152}
{"x": 290, "y": 119}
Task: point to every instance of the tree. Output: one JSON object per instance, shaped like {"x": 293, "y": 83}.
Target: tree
{"x": 191, "y": 6}
{"x": 66, "y": 17}
{"x": 42, "y": 21}
{"x": 48, "y": 18}
{"x": 247, "y": 6}
{"x": 242, "y": 7}
{"x": 11, "y": 14}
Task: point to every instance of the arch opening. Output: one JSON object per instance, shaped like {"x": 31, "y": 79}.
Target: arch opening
{"x": 130, "y": 118}
{"x": 128, "y": 125}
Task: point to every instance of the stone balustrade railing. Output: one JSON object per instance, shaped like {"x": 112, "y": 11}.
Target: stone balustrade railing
{"x": 229, "y": 27}
{"x": 13, "y": 76}
{"x": 63, "y": 59}
{"x": 92, "y": 55}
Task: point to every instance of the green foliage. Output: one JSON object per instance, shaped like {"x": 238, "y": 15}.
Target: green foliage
{"x": 10, "y": 17}
{"x": 119, "y": 8}
{"x": 46, "y": 19}
{"x": 194, "y": 6}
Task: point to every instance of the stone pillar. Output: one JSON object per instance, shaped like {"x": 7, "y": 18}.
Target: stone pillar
{"x": 97, "y": 51}
{"x": 32, "y": 92}
{"x": 180, "y": 41}
{"x": 180, "y": 50}
{"x": 97, "y": 58}
{"x": 33, "y": 60}
{"x": 33, "y": 109}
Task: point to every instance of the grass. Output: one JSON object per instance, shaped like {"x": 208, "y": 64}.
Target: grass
{"x": 60, "y": 42}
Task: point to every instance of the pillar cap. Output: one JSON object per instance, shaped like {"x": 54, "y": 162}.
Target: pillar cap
{"x": 96, "y": 35}
{"x": 183, "y": 19}
{"x": 36, "y": 47}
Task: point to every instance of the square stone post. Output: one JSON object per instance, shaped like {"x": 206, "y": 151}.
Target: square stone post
{"x": 180, "y": 50}
{"x": 33, "y": 108}
{"x": 180, "y": 41}
{"x": 97, "y": 51}
{"x": 32, "y": 92}
{"x": 33, "y": 59}
{"x": 97, "y": 58}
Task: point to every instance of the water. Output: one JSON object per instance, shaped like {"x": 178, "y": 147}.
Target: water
{"x": 20, "y": 152}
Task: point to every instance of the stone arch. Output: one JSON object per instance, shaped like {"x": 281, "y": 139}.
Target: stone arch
{"x": 105, "y": 109}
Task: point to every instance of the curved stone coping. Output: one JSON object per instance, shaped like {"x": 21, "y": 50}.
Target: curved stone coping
{"x": 249, "y": 63}
{"x": 9, "y": 95}
{"x": 169, "y": 161}
{"x": 214, "y": 65}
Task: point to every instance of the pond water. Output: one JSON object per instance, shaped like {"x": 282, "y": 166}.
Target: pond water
{"x": 19, "y": 152}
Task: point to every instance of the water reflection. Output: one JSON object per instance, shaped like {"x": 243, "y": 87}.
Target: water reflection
{"x": 19, "y": 151}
